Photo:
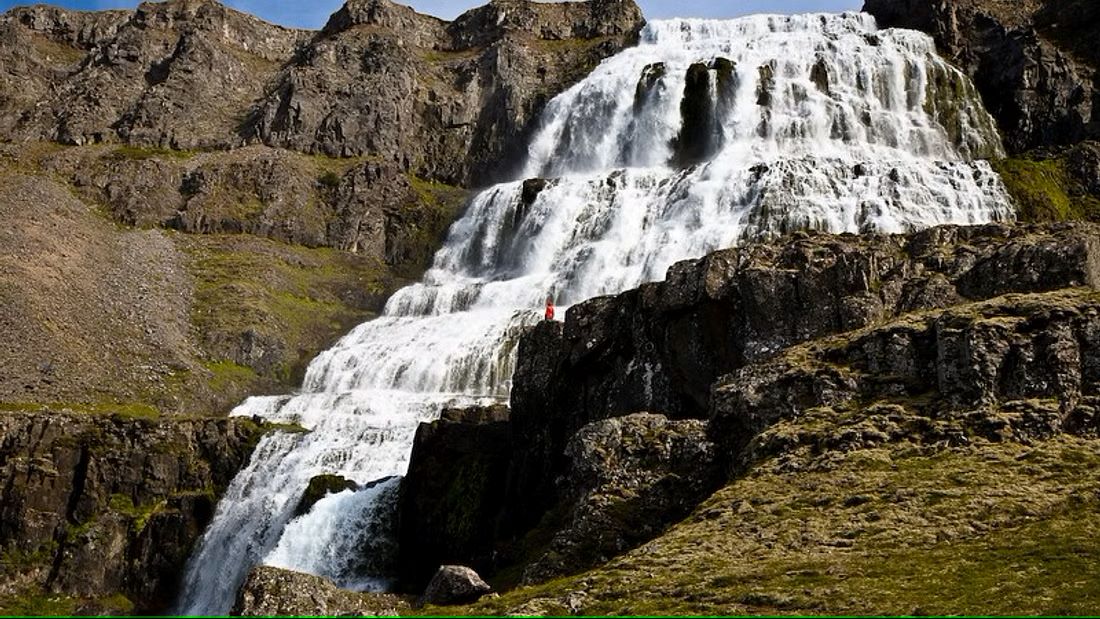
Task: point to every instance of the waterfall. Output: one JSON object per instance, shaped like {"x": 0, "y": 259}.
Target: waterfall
{"x": 705, "y": 135}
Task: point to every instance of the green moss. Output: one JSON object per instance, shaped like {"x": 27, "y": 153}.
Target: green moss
{"x": 13, "y": 559}
{"x": 38, "y": 604}
{"x": 293, "y": 295}
{"x": 125, "y": 410}
{"x": 139, "y": 514}
{"x": 1044, "y": 192}
{"x": 227, "y": 376}
{"x": 329, "y": 180}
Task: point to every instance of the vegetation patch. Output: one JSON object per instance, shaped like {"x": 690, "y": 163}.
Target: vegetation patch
{"x": 1044, "y": 190}
{"x": 139, "y": 514}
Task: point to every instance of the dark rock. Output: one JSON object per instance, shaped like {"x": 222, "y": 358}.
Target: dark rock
{"x": 320, "y": 487}
{"x": 270, "y": 591}
{"x": 454, "y": 584}
{"x": 698, "y": 137}
{"x": 112, "y": 505}
{"x": 1033, "y": 62}
{"x": 453, "y": 492}
{"x": 819, "y": 75}
{"x": 652, "y": 75}
{"x": 627, "y": 480}
{"x": 765, "y": 89}
{"x": 532, "y": 187}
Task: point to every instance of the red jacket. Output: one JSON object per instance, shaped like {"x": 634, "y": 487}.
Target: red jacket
{"x": 549, "y": 311}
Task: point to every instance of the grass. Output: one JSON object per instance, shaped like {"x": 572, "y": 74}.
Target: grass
{"x": 294, "y": 295}
{"x": 988, "y": 529}
{"x": 124, "y": 410}
{"x": 37, "y": 603}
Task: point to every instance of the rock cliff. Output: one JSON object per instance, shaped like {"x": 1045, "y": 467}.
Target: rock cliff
{"x": 442, "y": 100}
{"x": 719, "y": 344}
{"x": 1032, "y": 60}
{"x": 913, "y": 396}
{"x": 101, "y": 510}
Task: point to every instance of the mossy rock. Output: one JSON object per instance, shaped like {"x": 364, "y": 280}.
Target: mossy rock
{"x": 319, "y": 488}
{"x": 1046, "y": 187}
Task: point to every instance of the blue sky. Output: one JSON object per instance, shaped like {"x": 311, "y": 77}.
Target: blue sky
{"x": 313, "y": 13}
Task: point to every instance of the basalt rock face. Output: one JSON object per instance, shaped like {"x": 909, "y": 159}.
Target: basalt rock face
{"x": 445, "y": 100}
{"x": 661, "y": 347}
{"x": 453, "y": 492}
{"x": 101, "y": 505}
{"x": 1032, "y": 60}
{"x": 172, "y": 74}
{"x": 627, "y": 479}
{"x": 625, "y": 417}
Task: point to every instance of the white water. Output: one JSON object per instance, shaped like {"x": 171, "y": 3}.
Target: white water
{"x": 863, "y": 154}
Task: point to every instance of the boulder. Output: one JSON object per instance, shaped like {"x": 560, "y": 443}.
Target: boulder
{"x": 270, "y": 591}
{"x": 319, "y": 487}
{"x": 454, "y": 584}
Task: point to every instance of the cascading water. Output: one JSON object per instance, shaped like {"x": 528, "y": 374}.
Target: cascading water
{"x": 708, "y": 133}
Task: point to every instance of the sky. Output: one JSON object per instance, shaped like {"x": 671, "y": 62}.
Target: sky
{"x": 314, "y": 13}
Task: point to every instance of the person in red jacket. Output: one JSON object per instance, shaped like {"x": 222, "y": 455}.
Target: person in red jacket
{"x": 549, "y": 308}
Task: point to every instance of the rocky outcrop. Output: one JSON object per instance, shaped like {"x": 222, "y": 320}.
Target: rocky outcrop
{"x": 95, "y": 505}
{"x": 1019, "y": 367}
{"x": 362, "y": 207}
{"x": 1032, "y": 61}
{"x": 588, "y": 478}
{"x": 449, "y": 101}
{"x": 454, "y": 584}
{"x": 661, "y": 347}
{"x": 627, "y": 479}
{"x": 453, "y": 492}
{"x": 272, "y": 592}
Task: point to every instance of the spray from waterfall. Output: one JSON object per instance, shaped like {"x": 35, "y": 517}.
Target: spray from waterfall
{"x": 706, "y": 135}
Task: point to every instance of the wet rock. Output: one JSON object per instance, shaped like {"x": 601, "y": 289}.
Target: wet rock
{"x": 532, "y": 187}
{"x": 270, "y": 591}
{"x": 454, "y": 584}
{"x": 320, "y": 487}
{"x": 698, "y": 137}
